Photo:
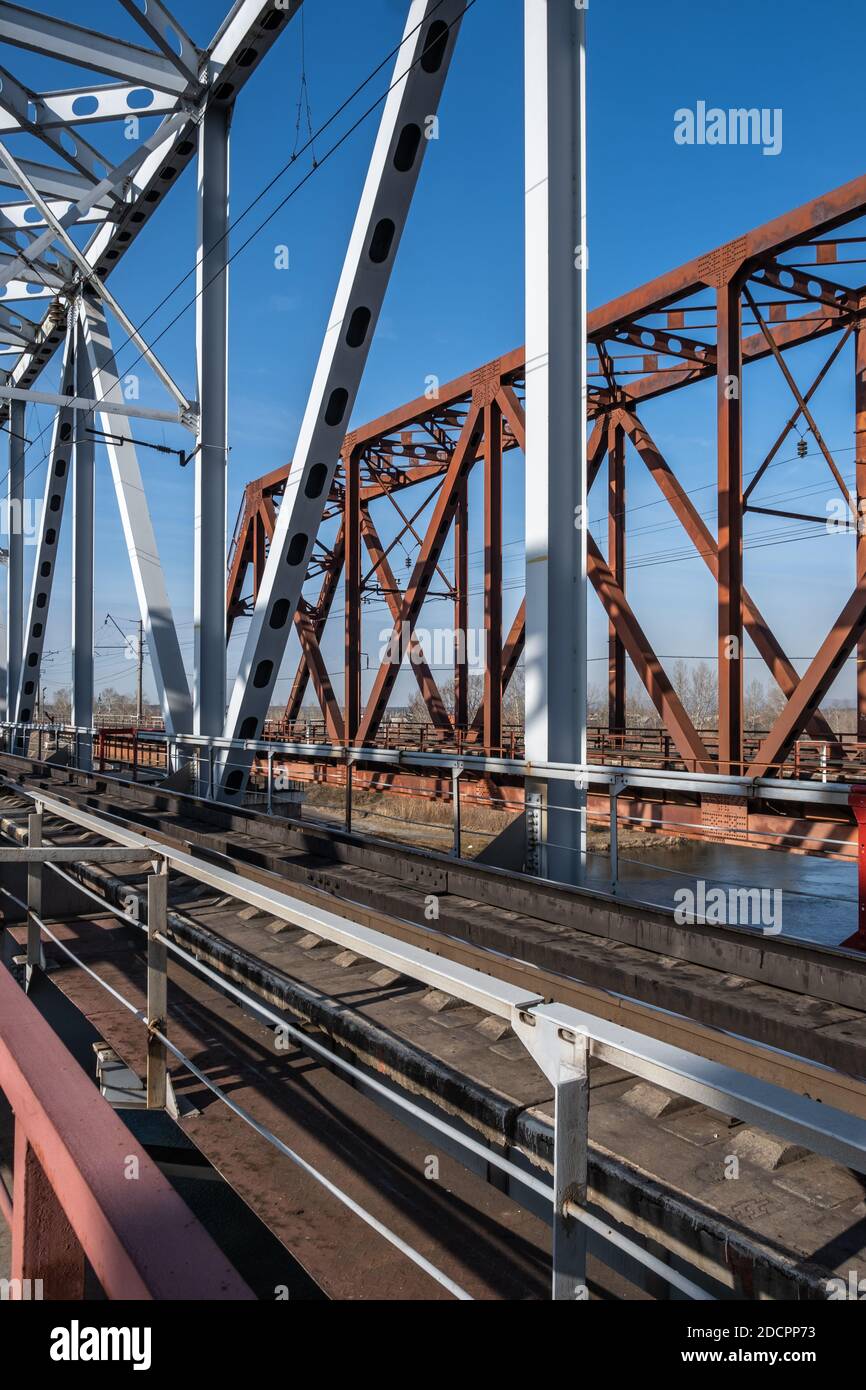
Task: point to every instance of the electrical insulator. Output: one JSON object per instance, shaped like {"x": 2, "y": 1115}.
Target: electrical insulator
{"x": 803, "y": 449}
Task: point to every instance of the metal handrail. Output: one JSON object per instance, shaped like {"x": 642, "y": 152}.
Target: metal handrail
{"x": 560, "y": 1038}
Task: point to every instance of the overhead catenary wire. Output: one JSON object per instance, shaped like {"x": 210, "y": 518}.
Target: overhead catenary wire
{"x": 263, "y": 194}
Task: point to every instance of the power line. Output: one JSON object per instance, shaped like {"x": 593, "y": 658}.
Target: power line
{"x": 259, "y": 198}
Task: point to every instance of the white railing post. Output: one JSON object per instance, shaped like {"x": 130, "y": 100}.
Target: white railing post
{"x": 456, "y": 773}
{"x": 35, "y": 954}
{"x": 563, "y": 1056}
{"x": 157, "y": 985}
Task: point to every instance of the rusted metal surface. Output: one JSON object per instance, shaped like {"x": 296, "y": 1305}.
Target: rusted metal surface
{"x": 773, "y": 289}
{"x": 72, "y": 1195}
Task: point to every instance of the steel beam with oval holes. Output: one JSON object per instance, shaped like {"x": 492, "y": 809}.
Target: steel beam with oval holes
{"x": 57, "y": 477}
{"x": 411, "y": 105}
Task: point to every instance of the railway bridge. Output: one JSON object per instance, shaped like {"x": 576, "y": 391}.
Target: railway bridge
{"x": 380, "y": 1001}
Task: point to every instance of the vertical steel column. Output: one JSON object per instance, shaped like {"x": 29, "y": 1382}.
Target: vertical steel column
{"x": 616, "y": 671}
{"x": 349, "y": 780}
{"x": 570, "y": 1168}
{"x": 45, "y": 564}
{"x": 82, "y": 551}
{"x": 563, "y": 1056}
{"x": 211, "y": 466}
{"x": 730, "y": 508}
{"x": 35, "y": 955}
{"x": 15, "y": 572}
{"x": 412, "y": 102}
{"x": 352, "y": 541}
{"x": 151, "y": 593}
{"x": 556, "y": 455}
{"x": 461, "y": 613}
{"x": 860, "y": 466}
{"x": 456, "y": 774}
{"x": 492, "y": 577}
{"x": 157, "y": 985}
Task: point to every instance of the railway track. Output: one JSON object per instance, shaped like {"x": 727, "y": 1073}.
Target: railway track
{"x": 381, "y": 1022}
{"x": 783, "y": 1011}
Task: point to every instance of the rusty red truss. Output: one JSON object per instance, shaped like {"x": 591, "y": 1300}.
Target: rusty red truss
{"x": 788, "y": 283}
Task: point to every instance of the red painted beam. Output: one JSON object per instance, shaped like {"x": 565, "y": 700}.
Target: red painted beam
{"x": 142, "y": 1241}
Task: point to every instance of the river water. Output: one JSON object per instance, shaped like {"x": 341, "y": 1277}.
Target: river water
{"x": 817, "y": 898}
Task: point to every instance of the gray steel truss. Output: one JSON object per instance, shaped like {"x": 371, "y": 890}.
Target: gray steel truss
{"x": 153, "y": 601}
{"x": 15, "y": 557}
{"x": 211, "y": 465}
{"x": 54, "y": 501}
{"x": 556, "y": 453}
{"x": 421, "y": 69}
{"x": 82, "y": 546}
{"x": 191, "y": 91}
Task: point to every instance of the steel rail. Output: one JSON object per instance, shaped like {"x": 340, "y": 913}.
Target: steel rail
{"x": 817, "y": 959}
{"x": 389, "y": 1093}
{"x": 373, "y": 1222}
{"x": 517, "y": 980}
{"x": 695, "y": 1075}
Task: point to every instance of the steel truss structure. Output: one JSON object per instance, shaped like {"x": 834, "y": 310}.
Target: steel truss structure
{"x": 79, "y": 216}
{"x": 193, "y": 91}
{"x": 776, "y": 288}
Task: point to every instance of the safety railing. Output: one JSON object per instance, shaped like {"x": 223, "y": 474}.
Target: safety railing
{"x": 562, "y": 1041}
{"x": 198, "y": 764}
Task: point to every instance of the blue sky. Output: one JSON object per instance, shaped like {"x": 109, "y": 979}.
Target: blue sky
{"x": 456, "y": 298}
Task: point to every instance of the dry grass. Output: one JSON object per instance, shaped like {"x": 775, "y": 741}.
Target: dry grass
{"x": 428, "y": 823}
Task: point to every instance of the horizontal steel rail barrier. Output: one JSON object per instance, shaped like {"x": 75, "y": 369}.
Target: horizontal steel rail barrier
{"x": 560, "y": 1038}
{"x": 584, "y": 775}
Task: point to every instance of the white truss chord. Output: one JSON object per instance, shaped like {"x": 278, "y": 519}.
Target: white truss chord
{"x": 15, "y": 561}
{"x": 211, "y": 465}
{"x": 90, "y": 275}
{"x": 421, "y": 69}
{"x": 54, "y": 501}
{"x": 164, "y": 31}
{"x": 90, "y": 404}
{"x": 153, "y": 600}
{"x": 57, "y": 38}
{"x": 242, "y": 41}
{"x": 82, "y": 546}
{"x": 94, "y": 105}
{"x": 25, "y": 107}
{"x": 80, "y": 211}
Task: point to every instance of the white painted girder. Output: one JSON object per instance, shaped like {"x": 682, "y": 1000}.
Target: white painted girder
{"x": 53, "y": 505}
{"x": 153, "y": 601}
{"x": 58, "y": 38}
{"x": 556, "y": 513}
{"x": 420, "y": 72}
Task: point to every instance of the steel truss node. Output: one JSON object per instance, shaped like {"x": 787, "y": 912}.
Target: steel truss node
{"x": 481, "y": 415}
{"x": 192, "y": 92}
